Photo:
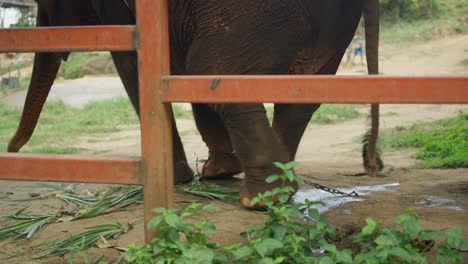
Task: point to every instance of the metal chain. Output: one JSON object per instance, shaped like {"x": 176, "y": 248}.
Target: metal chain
{"x": 330, "y": 190}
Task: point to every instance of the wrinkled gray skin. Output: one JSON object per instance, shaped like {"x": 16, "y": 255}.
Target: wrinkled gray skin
{"x": 224, "y": 37}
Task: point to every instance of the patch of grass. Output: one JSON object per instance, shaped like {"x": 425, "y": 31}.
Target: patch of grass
{"x": 75, "y": 66}
{"x": 440, "y": 144}
{"x": 180, "y": 112}
{"x": 60, "y": 125}
{"x": 464, "y": 62}
{"x": 53, "y": 150}
{"x": 332, "y": 113}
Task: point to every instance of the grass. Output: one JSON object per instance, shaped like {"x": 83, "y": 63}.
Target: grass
{"x": 464, "y": 62}
{"x": 60, "y": 125}
{"x": 453, "y": 20}
{"x": 332, "y": 113}
{"x": 75, "y": 66}
{"x": 439, "y": 144}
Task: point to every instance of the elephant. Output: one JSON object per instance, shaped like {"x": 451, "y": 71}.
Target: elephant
{"x": 225, "y": 37}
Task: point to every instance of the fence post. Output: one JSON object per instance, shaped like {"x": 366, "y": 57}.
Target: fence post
{"x": 156, "y": 137}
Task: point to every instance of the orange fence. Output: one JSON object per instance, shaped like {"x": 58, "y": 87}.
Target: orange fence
{"x": 157, "y": 89}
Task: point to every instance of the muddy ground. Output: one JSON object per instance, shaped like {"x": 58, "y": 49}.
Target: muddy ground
{"x": 326, "y": 154}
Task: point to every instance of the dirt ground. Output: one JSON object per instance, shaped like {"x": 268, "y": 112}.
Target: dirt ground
{"x": 326, "y": 153}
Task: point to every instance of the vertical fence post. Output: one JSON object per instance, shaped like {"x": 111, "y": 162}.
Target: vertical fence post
{"x": 156, "y": 137}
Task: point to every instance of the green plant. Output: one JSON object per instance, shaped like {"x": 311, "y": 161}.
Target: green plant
{"x": 293, "y": 233}
{"x": 168, "y": 246}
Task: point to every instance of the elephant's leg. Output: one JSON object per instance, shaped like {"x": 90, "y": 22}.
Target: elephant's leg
{"x": 222, "y": 161}
{"x": 290, "y": 120}
{"x": 126, "y": 64}
{"x": 256, "y": 146}
{"x": 45, "y": 68}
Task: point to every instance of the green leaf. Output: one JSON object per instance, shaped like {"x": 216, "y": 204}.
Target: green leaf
{"x": 272, "y": 178}
{"x": 279, "y": 231}
{"x": 464, "y": 245}
{"x": 280, "y": 165}
{"x": 344, "y": 257}
{"x": 384, "y": 241}
{"x": 267, "y": 245}
{"x": 326, "y": 260}
{"x": 159, "y": 210}
{"x": 283, "y": 198}
{"x": 201, "y": 255}
{"x": 400, "y": 252}
{"x": 242, "y": 252}
{"x": 290, "y": 175}
{"x": 430, "y": 235}
{"x": 290, "y": 165}
{"x": 454, "y": 237}
{"x": 172, "y": 220}
{"x": 155, "y": 222}
{"x": 370, "y": 228}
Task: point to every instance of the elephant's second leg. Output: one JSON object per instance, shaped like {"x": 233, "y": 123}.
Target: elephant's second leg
{"x": 256, "y": 145}
{"x": 290, "y": 122}
{"x": 222, "y": 161}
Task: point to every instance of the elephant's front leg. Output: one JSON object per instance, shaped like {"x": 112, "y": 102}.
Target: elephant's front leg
{"x": 222, "y": 161}
{"x": 256, "y": 145}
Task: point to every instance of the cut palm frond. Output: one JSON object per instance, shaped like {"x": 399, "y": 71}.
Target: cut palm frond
{"x": 210, "y": 191}
{"x": 79, "y": 201}
{"x": 88, "y": 239}
{"x": 28, "y": 226}
{"x": 114, "y": 199}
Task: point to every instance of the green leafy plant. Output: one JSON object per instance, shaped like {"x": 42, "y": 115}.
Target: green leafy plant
{"x": 168, "y": 246}
{"x": 293, "y": 233}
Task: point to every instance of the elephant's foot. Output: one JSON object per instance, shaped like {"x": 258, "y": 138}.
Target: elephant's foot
{"x": 251, "y": 189}
{"x": 221, "y": 165}
{"x": 182, "y": 172}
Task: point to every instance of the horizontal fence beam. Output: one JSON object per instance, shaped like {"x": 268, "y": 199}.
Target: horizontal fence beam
{"x": 315, "y": 89}
{"x": 70, "y": 168}
{"x": 57, "y": 39}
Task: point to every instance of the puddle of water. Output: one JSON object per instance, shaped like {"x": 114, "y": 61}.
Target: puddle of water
{"x": 332, "y": 201}
{"x": 434, "y": 201}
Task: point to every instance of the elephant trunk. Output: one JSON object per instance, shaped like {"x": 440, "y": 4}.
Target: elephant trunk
{"x": 372, "y": 18}
{"x": 46, "y": 66}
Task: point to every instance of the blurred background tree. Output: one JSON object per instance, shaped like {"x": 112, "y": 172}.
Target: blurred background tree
{"x": 396, "y": 10}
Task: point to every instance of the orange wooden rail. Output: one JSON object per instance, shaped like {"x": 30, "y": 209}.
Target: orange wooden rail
{"x": 316, "y": 89}
{"x": 97, "y": 38}
{"x": 70, "y": 168}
